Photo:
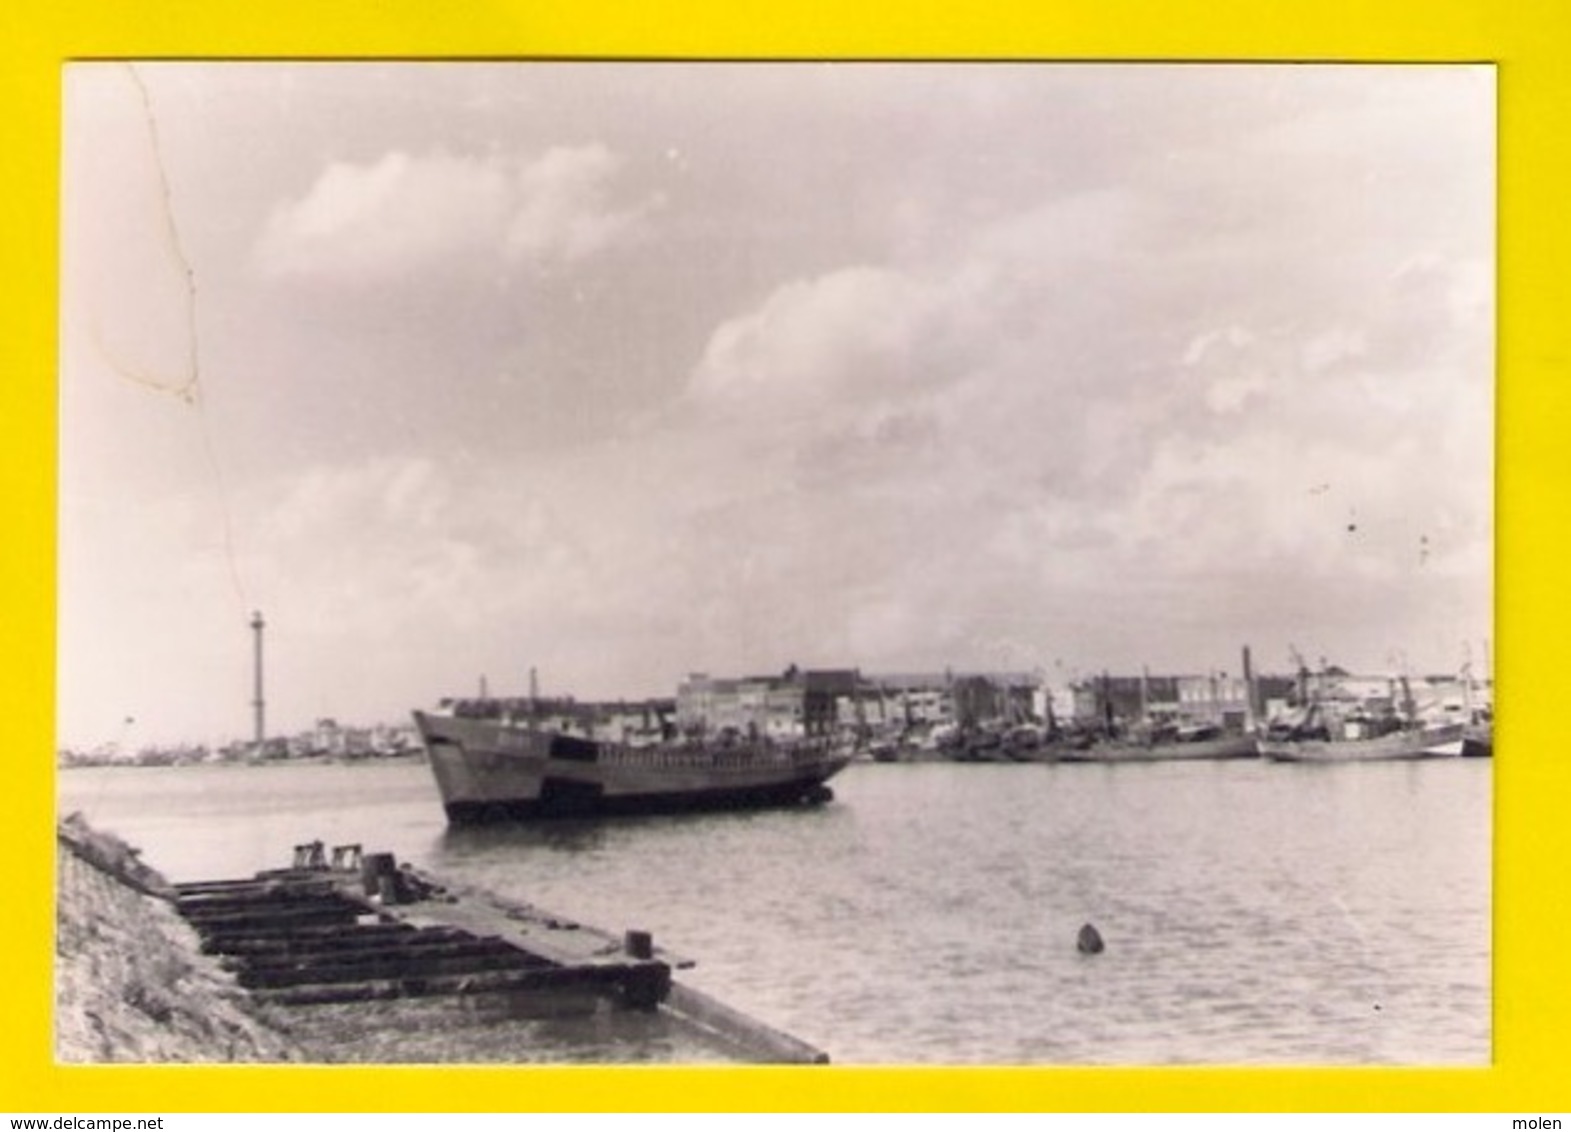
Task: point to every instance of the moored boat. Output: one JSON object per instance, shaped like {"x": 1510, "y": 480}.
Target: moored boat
{"x": 1478, "y": 740}
{"x": 1197, "y": 743}
{"x": 492, "y": 766}
{"x": 1335, "y": 722}
{"x": 1228, "y": 747}
{"x": 1416, "y": 741}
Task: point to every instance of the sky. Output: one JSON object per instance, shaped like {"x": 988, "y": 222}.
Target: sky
{"x": 623, "y": 371}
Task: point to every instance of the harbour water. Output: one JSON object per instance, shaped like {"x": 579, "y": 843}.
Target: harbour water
{"x": 1253, "y": 913}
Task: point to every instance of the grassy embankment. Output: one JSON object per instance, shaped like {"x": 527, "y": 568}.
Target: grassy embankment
{"x": 131, "y": 984}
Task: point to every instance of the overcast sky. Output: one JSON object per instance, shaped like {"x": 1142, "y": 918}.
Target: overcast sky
{"x": 626, "y": 371}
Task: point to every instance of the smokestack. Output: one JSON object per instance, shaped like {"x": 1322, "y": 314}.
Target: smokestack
{"x": 1251, "y": 701}
{"x": 257, "y": 702}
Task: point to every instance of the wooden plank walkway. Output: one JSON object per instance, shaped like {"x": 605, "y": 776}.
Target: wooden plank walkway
{"x": 359, "y": 927}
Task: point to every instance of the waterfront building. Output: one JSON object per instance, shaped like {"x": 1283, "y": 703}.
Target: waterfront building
{"x": 911, "y": 699}
{"x": 1003, "y": 697}
{"x": 1215, "y": 699}
{"x": 823, "y": 690}
{"x": 781, "y": 707}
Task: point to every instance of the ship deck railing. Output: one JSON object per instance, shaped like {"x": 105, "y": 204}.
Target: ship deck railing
{"x": 707, "y": 758}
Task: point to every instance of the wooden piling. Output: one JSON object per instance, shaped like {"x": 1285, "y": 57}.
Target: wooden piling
{"x": 373, "y": 867}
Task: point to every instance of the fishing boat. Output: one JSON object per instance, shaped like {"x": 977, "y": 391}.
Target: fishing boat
{"x": 1335, "y": 723}
{"x": 1423, "y": 741}
{"x": 1198, "y": 741}
{"x": 1316, "y": 735}
{"x": 884, "y": 751}
{"x": 1478, "y": 742}
{"x": 1478, "y": 736}
{"x": 493, "y": 764}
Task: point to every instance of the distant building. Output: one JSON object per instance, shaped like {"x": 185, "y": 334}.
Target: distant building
{"x": 822, "y": 693}
{"x": 1121, "y": 701}
{"x": 1216, "y": 698}
{"x": 988, "y": 698}
{"x": 761, "y": 705}
{"x": 909, "y": 699}
{"x": 1114, "y": 701}
{"x": 941, "y": 699}
{"x": 637, "y": 723}
{"x": 794, "y": 704}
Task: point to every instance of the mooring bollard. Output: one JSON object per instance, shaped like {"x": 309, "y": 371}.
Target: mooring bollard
{"x": 645, "y": 988}
{"x": 374, "y": 866}
{"x": 1089, "y": 941}
{"x": 639, "y": 945}
{"x": 346, "y": 858}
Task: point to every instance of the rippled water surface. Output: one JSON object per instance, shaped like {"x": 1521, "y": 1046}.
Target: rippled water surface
{"x": 1253, "y": 912}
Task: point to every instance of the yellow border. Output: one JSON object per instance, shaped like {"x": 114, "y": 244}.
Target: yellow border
{"x": 1533, "y": 847}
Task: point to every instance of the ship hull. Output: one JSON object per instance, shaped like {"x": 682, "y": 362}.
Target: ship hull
{"x": 1223, "y": 747}
{"x": 1440, "y": 741}
{"x": 1478, "y": 742}
{"x": 487, "y": 770}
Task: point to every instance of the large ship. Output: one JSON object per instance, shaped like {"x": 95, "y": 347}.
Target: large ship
{"x": 492, "y": 764}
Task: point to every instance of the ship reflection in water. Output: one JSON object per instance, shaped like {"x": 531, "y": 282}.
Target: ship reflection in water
{"x": 1252, "y": 912}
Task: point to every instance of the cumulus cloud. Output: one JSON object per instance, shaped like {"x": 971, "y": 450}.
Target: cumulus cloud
{"x": 564, "y": 212}
{"x": 1132, "y": 391}
{"x": 390, "y": 493}
{"x": 1115, "y": 376}
{"x": 1336, "y": 345}
{"x": 404, "y": 213}
{"x": 839, "y": 331}
{"x": 1234, "y": 337}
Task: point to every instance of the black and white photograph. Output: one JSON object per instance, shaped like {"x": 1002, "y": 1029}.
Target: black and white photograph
{"x": 922, "y": 563}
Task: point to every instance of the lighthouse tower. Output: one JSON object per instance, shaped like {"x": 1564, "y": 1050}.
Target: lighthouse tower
{"x": 257, "y": 703}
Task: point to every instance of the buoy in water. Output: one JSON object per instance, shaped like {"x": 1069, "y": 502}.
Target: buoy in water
{"x": 1089, "y": 941}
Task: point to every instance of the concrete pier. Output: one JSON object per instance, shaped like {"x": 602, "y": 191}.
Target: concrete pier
{"x": 303, "y": 965}
{"x": 318, "y": 934}
{"x": 362, "y": 927}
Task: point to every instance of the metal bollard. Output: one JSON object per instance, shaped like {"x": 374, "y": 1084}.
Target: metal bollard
{"x": 1089, "y": 942}
{"x": 373, "y": 866}
{"x": 346, "y": 858}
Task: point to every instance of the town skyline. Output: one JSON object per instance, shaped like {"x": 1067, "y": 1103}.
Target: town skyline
{"x": 622, "y": 371}
{"x": 871, "y": 683}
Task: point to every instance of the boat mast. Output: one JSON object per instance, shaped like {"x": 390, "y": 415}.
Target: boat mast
{"x": 1303, "y": 675}
{"x": 1467, "y": 681}
{"x": 1409, "y": 707}
{"x": 1107, "y": 703}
